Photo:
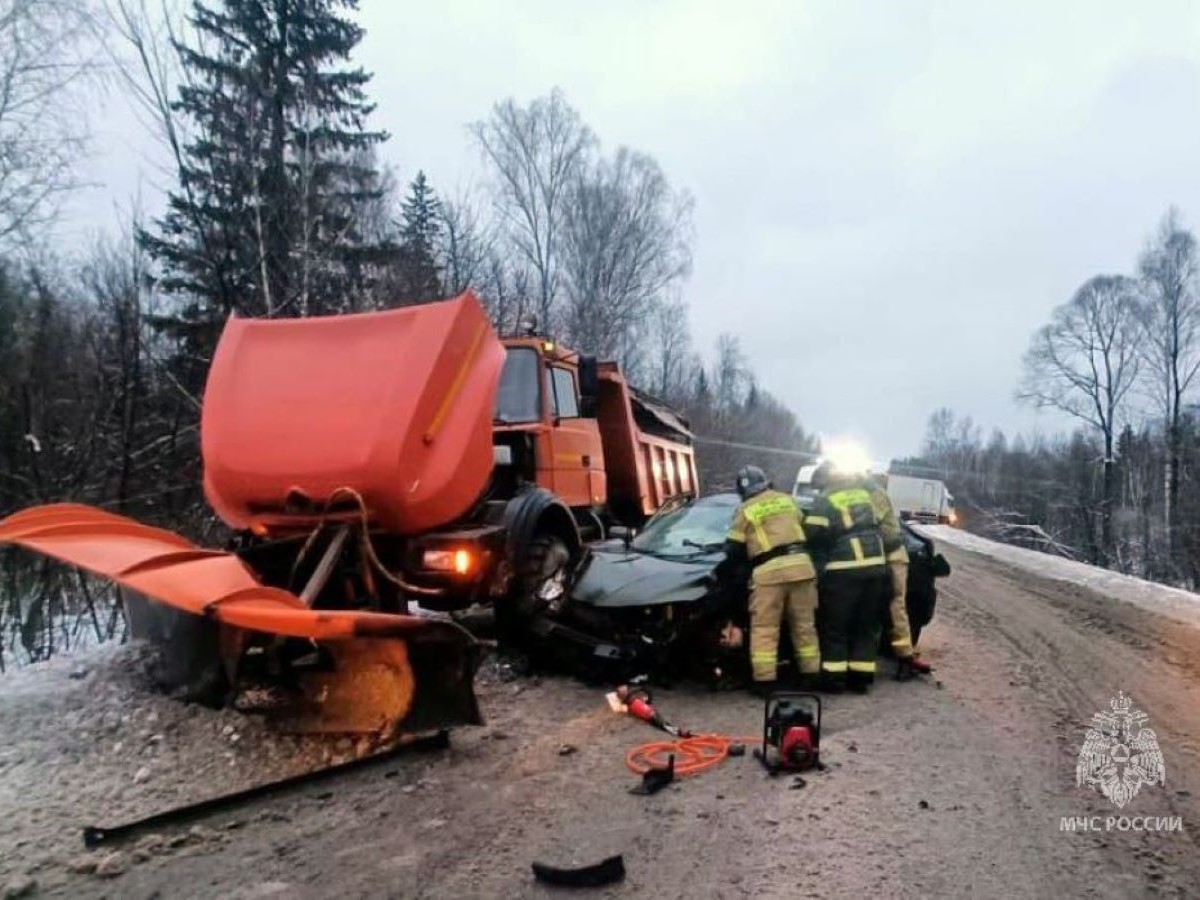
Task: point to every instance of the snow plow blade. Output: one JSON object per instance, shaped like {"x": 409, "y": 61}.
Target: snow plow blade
{"x": 412, "y": 673}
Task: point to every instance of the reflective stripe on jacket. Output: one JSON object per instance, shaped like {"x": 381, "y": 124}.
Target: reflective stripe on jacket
{"x": 889, "y": 525}
{"x": 765, "y": 523}
{"x": 844, "y": 530}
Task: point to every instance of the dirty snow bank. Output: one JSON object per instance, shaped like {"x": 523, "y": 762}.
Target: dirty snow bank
{"x": 1174, "y": 603}
{"x": 88, "y": 740}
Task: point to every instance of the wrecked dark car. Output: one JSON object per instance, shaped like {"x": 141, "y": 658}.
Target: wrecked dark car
{"x": 665, "y": 602}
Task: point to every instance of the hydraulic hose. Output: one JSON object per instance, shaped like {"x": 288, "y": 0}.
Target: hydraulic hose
{"x": 693, "y": 755}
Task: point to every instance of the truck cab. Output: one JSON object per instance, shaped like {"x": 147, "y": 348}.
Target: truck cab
{"x": 573, "y": 426}
{"x": 576, "y": 450}
{"x": 545, "y": 426}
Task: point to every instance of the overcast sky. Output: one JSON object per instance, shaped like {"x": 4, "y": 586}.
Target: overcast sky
{"x": 890, "y": 197}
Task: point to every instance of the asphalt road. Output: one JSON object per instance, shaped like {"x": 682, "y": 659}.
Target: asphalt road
{"x": 955, "y": 786}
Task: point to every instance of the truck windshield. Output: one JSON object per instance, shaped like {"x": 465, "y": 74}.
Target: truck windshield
{"x": 690, "y": 529}
{"x": 519, "y": 398}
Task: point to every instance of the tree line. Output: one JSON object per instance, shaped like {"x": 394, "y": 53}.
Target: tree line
{"x": 279, "y": 203}
{"x": 1121, "y": 357}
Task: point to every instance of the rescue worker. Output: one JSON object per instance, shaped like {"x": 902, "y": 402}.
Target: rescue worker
{"x": 908, "y": 664}
{"x": 845, "y": 537}
{"x": 768, "y": 529}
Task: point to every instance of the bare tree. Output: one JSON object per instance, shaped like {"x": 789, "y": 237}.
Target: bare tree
{"x": 505, "y": 291}
{"x": 1171, "y": 349}
{"x": 626, "y": 240}
{"x": 939, "y": 438}
{"x": 731, "y": 376}
{"x": 535, "y": 152}
{"x": 464, "y": 245}
{"x": 674, "y": 348}
{"x": 1084, "y": 363}
{"x": 49, "y": 49}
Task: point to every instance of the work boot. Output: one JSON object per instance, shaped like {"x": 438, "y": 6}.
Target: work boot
{"x": 859, "y": 682}
{"x": 831, "y": 683}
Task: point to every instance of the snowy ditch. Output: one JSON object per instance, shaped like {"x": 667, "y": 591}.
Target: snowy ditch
{"x": 1174, "y": 603}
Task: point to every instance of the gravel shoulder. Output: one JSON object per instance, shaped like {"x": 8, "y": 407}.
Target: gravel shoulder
{"x": 949, "y": 787}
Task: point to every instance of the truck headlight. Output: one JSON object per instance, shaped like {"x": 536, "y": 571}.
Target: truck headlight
{"x": 460, "y": 561}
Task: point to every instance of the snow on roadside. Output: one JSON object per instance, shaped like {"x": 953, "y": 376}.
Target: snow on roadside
{"x": 87, "y": 739}
{"x": 1183, "y": 606}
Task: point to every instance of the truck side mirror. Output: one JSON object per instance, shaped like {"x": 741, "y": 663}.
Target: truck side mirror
{"x": 589, "y": 386}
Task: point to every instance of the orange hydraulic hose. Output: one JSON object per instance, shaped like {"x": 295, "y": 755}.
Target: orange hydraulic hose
{"x": 693, "y": 755}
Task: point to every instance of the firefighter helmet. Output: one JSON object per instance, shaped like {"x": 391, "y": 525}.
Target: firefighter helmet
{"x": 751, "y": 480}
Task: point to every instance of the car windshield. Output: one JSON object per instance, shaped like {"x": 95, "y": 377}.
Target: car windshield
{"x": 689, "y": 529}
{"x": 519, "y": 398}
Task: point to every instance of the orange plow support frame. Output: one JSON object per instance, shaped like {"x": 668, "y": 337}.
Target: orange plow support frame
{"x": 218, "y": 585}
{"x": 172, "y": 570}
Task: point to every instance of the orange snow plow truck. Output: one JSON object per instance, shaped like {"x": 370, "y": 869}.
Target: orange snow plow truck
{"x": 366, "y": 462}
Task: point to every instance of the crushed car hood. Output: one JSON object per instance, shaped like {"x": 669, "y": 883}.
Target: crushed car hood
{"x": 626, "y": 578}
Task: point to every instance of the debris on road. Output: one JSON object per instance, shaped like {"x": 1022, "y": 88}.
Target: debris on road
{"x": 112, "y": 865}
{"x": 656, "y": 778}
{"x": 606, "y": 871}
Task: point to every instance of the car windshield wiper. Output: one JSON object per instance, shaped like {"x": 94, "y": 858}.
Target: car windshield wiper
{"x": 703, "y": 548}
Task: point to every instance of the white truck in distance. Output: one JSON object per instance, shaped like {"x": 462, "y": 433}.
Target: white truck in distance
{"x": 922, "y": 499}
{"x": 919, "y": 499}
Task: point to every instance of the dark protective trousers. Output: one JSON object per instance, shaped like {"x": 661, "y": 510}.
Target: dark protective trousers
{"x": 849, "y": 620}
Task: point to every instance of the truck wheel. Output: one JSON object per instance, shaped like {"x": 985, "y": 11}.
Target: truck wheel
{"x": 541, "y": 581}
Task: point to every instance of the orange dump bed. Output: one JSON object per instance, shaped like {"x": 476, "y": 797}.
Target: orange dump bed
{"x": 396, "y": 406}
{"x": 647, "y": 448}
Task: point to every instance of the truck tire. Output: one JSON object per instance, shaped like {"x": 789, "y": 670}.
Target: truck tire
{"x": 541, "y": 578}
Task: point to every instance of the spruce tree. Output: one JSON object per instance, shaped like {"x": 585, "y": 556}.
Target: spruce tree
{"x": 420, "y": 276}
{"x": 276, "y": 172}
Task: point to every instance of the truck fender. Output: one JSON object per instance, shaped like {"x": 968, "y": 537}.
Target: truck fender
{"x": 534, "y": 512}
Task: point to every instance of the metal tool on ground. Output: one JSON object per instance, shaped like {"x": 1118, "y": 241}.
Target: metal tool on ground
{"x": 691, "y": 754}
{"x": 791, "y": 737}
{"x": 656, "y": 778}
{"x": 95, "y": 835}
{"x": 637, "y": 702}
